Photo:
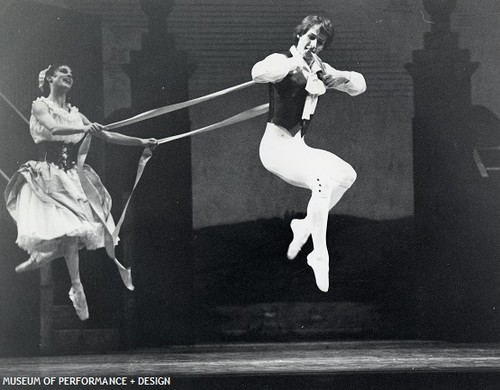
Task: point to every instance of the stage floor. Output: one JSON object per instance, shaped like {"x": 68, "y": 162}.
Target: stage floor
{"x": 284, "y": 365}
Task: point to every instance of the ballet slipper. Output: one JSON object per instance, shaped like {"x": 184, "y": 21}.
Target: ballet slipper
{"x": 31, "y": 264}
{"x": 79, "y": 300}
{"x": 126, "y": 275}
{"x": 300, "y": 237}
{"x": 319, "y": 262}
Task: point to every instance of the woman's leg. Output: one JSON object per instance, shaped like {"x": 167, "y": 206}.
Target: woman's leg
{"x": 76, "y": 293}
{"x": 39, "y": 259}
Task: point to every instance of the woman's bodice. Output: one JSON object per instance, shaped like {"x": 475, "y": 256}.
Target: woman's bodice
{"x": 40, "y": 133}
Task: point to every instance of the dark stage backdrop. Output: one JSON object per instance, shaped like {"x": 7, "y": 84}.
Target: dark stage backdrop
{"x": 32, "y": 37}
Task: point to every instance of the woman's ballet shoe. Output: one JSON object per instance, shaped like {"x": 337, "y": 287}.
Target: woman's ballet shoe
{"x": 126, "y": 275}
{"x": 320, "y": 265}
{"x": 300, "y": 236}
{"x": 31, "y": 264}
{"x": 79, "y": 300}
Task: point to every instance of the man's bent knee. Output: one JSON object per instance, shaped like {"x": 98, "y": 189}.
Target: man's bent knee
{"x": 348, "y": 176}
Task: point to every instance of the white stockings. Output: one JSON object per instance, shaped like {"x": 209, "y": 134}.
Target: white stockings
{"x": 326, "y": 175}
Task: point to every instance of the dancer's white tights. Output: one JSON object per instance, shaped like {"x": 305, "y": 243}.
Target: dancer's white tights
{"x": 70, "y": 252}
{"x": 325, "y": 174}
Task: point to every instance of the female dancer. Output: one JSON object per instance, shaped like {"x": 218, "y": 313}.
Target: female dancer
{"x": 296, "y": 80}
{"x": 55, "y": 216}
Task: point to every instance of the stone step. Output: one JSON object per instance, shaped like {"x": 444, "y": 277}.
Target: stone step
{"x": 71, "y": 335}
{"x": 64, "y": 317}
{"x": 302, "y": 319}
{"x": 86, "y": 340}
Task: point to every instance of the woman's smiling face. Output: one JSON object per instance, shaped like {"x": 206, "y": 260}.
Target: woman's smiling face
{"x": 62, "y": 77}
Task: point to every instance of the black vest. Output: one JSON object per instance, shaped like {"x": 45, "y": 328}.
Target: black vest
{"x": 287, "y": 99}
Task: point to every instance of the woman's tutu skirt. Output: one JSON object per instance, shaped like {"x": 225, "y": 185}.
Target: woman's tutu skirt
{"x": 50, "y": 205}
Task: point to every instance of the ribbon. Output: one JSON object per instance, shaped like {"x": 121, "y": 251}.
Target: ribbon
{"x": 242, "y": 116}
{"x": 14, "y": 108}
{"x": 125, "y": 273}
{"x": 4, "y": 175}
{"x": 110, "y": 237}
{"x": 177, "y": 106}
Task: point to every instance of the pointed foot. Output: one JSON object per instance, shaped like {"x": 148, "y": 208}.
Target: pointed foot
{"x": 300, "y": 236}
{"x": 79, "y": 300}
{"x": 31, "y": 264}
{"x": 126, "y": 275}
{"x": 319, "y": 262}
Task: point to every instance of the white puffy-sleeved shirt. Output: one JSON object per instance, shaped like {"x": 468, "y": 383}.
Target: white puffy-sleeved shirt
{"x": 288, "y": 95}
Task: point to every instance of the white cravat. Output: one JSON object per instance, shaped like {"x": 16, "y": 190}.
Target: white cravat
{"x": 314, "y": 86}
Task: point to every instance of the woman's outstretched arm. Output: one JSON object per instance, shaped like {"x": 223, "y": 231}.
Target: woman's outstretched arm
{"x": 121, "y": 139}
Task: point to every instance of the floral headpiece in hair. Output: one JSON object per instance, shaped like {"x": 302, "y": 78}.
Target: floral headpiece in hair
{"x": 41, "y": 77}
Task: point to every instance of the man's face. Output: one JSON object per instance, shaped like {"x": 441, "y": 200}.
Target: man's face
{"x": 312, "y": 41}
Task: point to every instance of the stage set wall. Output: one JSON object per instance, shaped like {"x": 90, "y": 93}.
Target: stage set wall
{"x": 373, "y": 132}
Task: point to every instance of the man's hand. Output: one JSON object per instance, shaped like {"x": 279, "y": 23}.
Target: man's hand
{"x": 331, "y": 81}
